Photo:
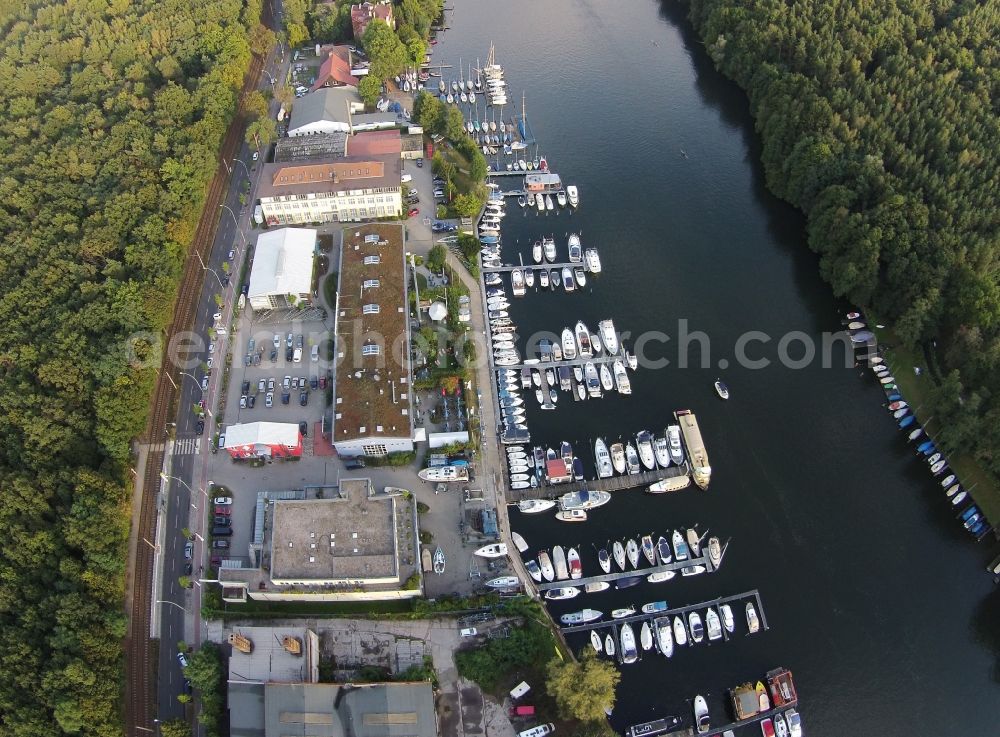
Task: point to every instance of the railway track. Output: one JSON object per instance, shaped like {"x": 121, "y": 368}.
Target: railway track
{"x": 140, "y": 670}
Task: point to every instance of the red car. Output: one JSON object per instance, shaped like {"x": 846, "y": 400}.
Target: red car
{"x": 413, "y": 211}
{"x": 223, "y": 510}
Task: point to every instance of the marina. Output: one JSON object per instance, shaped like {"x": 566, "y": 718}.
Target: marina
{"x": 619, "y": 575}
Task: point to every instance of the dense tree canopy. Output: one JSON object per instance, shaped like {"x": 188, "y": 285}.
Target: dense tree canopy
{"x": 879, "y": 120}
{"x": 112, "y": 116}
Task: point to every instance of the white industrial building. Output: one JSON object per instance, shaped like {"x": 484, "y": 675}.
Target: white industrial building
{"x": 326, "y": 110}
{"x": 282, "y": 270}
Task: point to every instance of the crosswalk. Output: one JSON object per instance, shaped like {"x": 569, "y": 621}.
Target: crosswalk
{"x": 187, "y": 446}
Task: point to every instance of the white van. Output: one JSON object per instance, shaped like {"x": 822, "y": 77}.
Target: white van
{"x": 406, "y": 178}
{"x": 297, "y": 355}
{"x": 520, "y": 690}
{"x": 540, "y": 731}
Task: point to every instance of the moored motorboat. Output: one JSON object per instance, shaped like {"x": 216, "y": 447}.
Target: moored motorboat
{"x": 592, "y": 261}
{"x": 603, "y": 459}
{"x": 713, "y": 625}
{"x": 702, "y": 721}
{"x": 563, "y": 592}
{"x": 609, "y": 645}
{"x": 664, "y": 636}
{"x": 548, "y": 247}
{"x": 714, "y": 551}
{"x": 753, "y": 623}
{"x": 568, "y": 343}
{"x": 696, "y": 627}
{"x": 545, "y": 563}
{"x": 573, "y": 195}
{"x": 694, "y": 543}
{"x": 680, "y": 547}
{"x": 721, "y": 389}
{"x": 622, "y": 382}
{"x": 654, "y": 607}
{"x": 583, "y": 340}
{"x": 661, "y": 449}
{"x": 618, "y": 457}
{"x": 622, "y": 612}
{"x": 581, "y": 617}
{"x": 607, "y": 382}
{"x": 674, "y": 441}
{"x": 571, "y": 515}
{"x": 533, "y": 570}
{"x": 660, "y": 576}
{"x": 680, "y": 631}
{"x": 536, "y": 248}
{"x": 595, "y": 642}
{"x": 632, "y": 459}
{"x": 575, "y": 567}
{"x": 559, "y": 563}
{"x": 727, "y": 618}
{"x": 569, "y": 283}
{"x": 632, "y": 551}
{"x": 644, "y": 442}
{"x": 596, "y": 586}
{"x": 646, "y": 636}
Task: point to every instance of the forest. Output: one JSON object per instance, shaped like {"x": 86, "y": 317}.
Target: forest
{"x": 879, "y": 120}
{"x": 112, "y": 117}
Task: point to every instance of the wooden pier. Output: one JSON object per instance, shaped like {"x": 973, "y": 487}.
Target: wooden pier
{"x": 618, "y": 575}
{"x": 612, "y": 483}
{"x": 678, "y": 611}
{"x": 508, "y": 269}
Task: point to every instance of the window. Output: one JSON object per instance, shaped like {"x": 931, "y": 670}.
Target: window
{"x": 372, "y": 349}
{"x": 371, "y": 284}
{"x": 375, "y": 449}
{"x": 371, "y": 260}
{"x": 369, "y": 310}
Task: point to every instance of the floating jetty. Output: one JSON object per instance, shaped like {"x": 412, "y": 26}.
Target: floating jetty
{"x": 545, "y": 265}
{"x": 701, "y": 606}
{"x": 612, "y": 483}
{"x": 617, "y": 575}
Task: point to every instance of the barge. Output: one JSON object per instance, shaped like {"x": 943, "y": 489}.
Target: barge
{"x": 701, "y": 471}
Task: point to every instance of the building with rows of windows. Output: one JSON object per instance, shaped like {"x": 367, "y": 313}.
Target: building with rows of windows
{"x": 336, "y": 189}
{"x": 372, "y": 408}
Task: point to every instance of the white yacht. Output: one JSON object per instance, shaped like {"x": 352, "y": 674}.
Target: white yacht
{"x": 604, "y": 466}
{"x": 573, "y": 195}
{"x": 569, "y": 283}
{"x": 661, "y": 448}
{"x": 568, "y": 344}
{"x": 583, "y": 340}
{"x": 445, "y": 473}
{"x": 618, "y": 457}
{"x": 543, "y": 278}
{"x": 580, "y": 276}
{"x": 536, "y": 248}
{"x": 592, "y": 261}
{"x": 517, "y": 282}
{"x": 622, "y": 382}
{"x": 593, "y": 381}
{"x": 575, "y": 250}
{"x": 609, "y": 336}
{"x": 606, "y": 381}
{"x": 549, "y": 205}
{"x": 561, "y": 198}
{"x": 674, "y": 438}
{"x": 548, "y": 246}
{"x": 539, "y": 201}
{"x": 529, "y": 278}
{"x": 632, "y": 459}
{"x": 644, "y": 441}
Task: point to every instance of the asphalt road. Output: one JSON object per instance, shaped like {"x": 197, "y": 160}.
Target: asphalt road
{"x": 184, "y": 499}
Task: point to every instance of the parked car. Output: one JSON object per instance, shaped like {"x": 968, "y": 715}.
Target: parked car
{"x": 353, "y": 464}
{"x": 314, "y": 353}
{"x": 220, "y": 543}
{"x": 286, "y": 397}
{"x": 322, "y": 382}
{"x": 277, "y": 340}
{"x": 246, "y": 387}
{"x": 298, "y": 340}
{"x": 313, "y": 382}
{"x": 223, "y": 509}
{"x": 261, "y": 385}
{"x": 211, "y": 347}
{"x": 204, "y": 383}
{"x": 251, "y": 345}
{"x": 256, "y": 359}
{"x": 469, "y": 632}
{"x": 420, "y": 163}
{"x": 288, "y": 341}
{"x": 297, "y": 356}
{"x": 269, "y": 400}
{"x": 251, "y": 401}
{"x": 286, "y": 382}
{"x": 304, "y": 398}
{"x": 413, "y": 212}
{"x": 225, "y": 281}
{"x": 288, "y": 354}
{"x": 274, "y": 355}
{"x": 232, "y": 252}
{"x": 188, "y": 550}
{"x": 303, "y": 428}
{"x": 222, "y": 520}
{"x": 256, "y": 155}
{"x": 188, "y": 568}
{"x": 270, "y": 384}
{"x": 222, "y": 531}
{"x": 182, "y": 659}
{"x": 225, "y": 501}
{"x": 199, "y": 427}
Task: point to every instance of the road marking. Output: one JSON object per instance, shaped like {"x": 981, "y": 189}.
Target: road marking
{"x": 186, "y": 446}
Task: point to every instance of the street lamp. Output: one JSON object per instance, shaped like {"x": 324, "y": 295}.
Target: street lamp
{"x": 206, "y": 268}
{"x": 171, "y": 603}
{"x": 230, "y": 210}
{"x": 269, "y": 76}
{"x": 179, "y": 480}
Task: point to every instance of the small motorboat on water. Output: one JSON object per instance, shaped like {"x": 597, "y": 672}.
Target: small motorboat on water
{"x": 646, "y": 636}
{"x": 674, "y": 439}
{"x": 644, "y": 442}
{"x": 604, "y": 560}
{"x": 564, "y": 592}
{"x": 533, "y": 570}
{"x": 701, "y": 719}
{"x": 694, "y": 543}
{"x": 714, "y": 551}
{"x": 713, "y": 625}
{"x": 575, "y": 567}
{"x": 581, "y": 617}
{"x": 680, "y": 631}
{"x": 545, "y": 563}
{"x": 618, "y": 457}
{"x": 623, "y": 612}
{"x": 572, "y": 515}
{"x": 664, "y": 636}
{"x": 660, "y": 576}
{"x": 536, "y": 251}
{"x": 595, "y": 642}
{"x": 721, "y": 389}
{"x": 632, "y": 459}
{"x": 605, "y": 468}
{"x": 654, "y": 607}
{"x": 648, "y": 550}
{"x": 596, "y": 587}
{"x": 618, "y": 551}
{"x": 661, "y": 449}
{"x": 519, "y": 542}
{"x": 629, "y": 581}
{"x": 727, "y": 618}
{"x": 632, "y": 551}
{"x": 609, "y": 646}
{"x": 680, "y": 547}
{"x": 696, "y": 627}
{"x": 534, "y": 506}
{"x": 753, "y": 624}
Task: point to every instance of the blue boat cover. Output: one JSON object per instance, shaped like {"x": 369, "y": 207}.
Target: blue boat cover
{"x": 490, "y": 523}
{"x": 906, "y": 421}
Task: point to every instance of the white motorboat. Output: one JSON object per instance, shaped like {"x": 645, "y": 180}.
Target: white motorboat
{"x": 664, "y": 637}
{"x": 609, "y": 646}
{"x": 713, "y": 625}
{"x": 569, "y": 283}
{"x": 545, "y": 563}
{"x": 618, "y": 457}
{"x": 536, "y": 248}
{"x": 596, "y": 642}
{"x": 661, "y": 449}
{"x": 559, "y": 563}
{"x": 595, "y": 587}
{"x": 550, "y": 377}
{"x": 753, "y": 623}
{"x": 693, "y": 570}
{"x": 573, "y": 195}
{"x": 618, "y": 551}
{"x": 536, "y": 378}
{"x": 581, "y": 617}
{"x": 714, "y": 551}
{"x": 701, "y": 719}
{"x": 539, "y": 396}
{"x": 592, "y": 380}
{"x": 543, "y": 278}
{"x": 533, "y": 570}
{"x": 646, "y": 636}
{"x": 663, "y": 553}
{"x": 540, "y": 202}
{"x": 609, "y": 336}
{"x": 644, "y": 442}
{"x": 694, "y": 543}
{"x": 622, "y": 382}
{"x": 680, "y": 547}
{"x": 534, "y": 506}
{"x": 519, "y": 542}
{"x": 727, "y": 618}
{"x": 568, "y": 343}
{"x": 627, "y": 637}
{"x": 575, "y": 250}
{"x": 564, "y": 592}
{"x": 623, "y": 612}
{"x": 503, "y": 582}
{"x": 660, "y": 576}
{"x": 592, "y": 261}
{"x": 571, "y": 515}
{"x": 632, "y": 459}
{"x": 496, "y": 550}
{"x": 529, "y": 278}
{"x": 549, "y": 248}
{"x": 595, "y": 342}
{"x": 696, "y": 627}
{"x": 549, "y": 204}
{"x": 604, "y": 466}
{"x": 674, "y": 439}
{"x": 632, "y": 551}
{"x": 515, "y": 477}
{"x": 522, "y": 201}
{"x": 581, "y": 278}
{"x": 575, "y": 566}
{"x": 522, "y": 165}
{"x": 680, "y": 631}
{"x": 581, "y": 392}
{"x": 516, "y": 283}
{"x": 604, "y": 560}
{"x": 606, "y": 381}
{"x": 721, "y": 389}
{"x": 583, "y": 340}
{"x": 561, "y": 198}
{"x": 584, "y": 499}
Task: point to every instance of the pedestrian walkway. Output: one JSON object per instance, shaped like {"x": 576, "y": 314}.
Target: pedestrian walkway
{"x": 187, "y": 446}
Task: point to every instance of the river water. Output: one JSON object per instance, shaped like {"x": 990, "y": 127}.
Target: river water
{"x": 875, "y": 598}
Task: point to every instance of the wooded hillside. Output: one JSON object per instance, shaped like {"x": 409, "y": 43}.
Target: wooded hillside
{"x": 111, "y": 116}
{"x": 880, "y": 121}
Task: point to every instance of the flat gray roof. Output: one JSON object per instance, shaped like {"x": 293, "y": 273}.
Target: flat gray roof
{"x": 327, "y": 103}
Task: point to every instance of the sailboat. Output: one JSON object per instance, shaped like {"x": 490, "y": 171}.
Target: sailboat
{"x": 604, "y": 560}
{"x": 648, "y": 550}
{"x": 632, "y": 551}
{"x": 618, "y": 551}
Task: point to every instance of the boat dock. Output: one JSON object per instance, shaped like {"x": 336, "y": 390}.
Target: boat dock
{"x": 508, "y": 269}
{"x": 720, "y": 730}
{"x": 542, "y": 365}
{"x": 679, "y": 611}
{"x": 612, "y": 483}
{"x": 618, "y": 575}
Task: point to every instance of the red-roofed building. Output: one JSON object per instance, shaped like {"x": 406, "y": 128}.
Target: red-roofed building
{"x": 335, "y": 71}
{"x": 263, "y": 440}
{"x": 375, "y": 143}
{"x": 363, "y": 14}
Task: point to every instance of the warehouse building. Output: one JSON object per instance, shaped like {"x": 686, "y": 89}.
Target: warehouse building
{"x": 282, "y": 271}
